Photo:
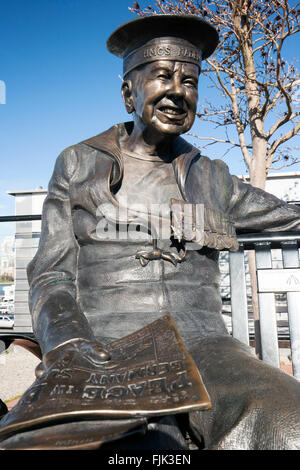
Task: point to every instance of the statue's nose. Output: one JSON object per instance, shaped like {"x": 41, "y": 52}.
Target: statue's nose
{"x": 176, "y": 88}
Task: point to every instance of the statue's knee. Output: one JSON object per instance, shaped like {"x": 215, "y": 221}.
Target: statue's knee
{"x": 274, "y": 425}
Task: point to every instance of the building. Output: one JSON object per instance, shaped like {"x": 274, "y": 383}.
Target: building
{"x": 286, "y": 186}
{"x": 9, "y": 293}
{"x": 7, "y": 258}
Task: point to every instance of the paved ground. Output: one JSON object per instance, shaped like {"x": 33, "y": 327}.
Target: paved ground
{"x": 17, "y": 368}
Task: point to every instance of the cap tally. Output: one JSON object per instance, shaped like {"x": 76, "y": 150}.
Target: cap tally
{"x": 186, "y": 38}
{"x": 162, "y": 49}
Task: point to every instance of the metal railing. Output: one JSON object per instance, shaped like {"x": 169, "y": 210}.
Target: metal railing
{"x": 20, "y": 218}
{"x": 262, "y": 244}
{"x": 271, "y": 282}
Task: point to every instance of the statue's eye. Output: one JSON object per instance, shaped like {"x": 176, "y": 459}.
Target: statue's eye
{"x": 163, "y": 75}
{"x": 190, "y": 82}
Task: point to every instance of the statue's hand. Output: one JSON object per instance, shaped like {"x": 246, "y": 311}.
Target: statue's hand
{"x": 146, "y": 256}
{"x": 94, "y": 351}
{"x": 84, "y": 352}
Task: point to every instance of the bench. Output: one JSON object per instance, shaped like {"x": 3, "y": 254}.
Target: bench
{"x": 273, "y": 280}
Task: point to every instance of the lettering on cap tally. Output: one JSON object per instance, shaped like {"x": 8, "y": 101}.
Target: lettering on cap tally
{"x": 162, "y": 51}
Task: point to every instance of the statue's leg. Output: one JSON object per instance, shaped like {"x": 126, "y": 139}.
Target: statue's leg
{"x": 255, "y": 406}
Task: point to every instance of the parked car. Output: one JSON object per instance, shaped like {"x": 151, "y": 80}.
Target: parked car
{"x": 6, "y": 322}
{"x": 7, "y": 307}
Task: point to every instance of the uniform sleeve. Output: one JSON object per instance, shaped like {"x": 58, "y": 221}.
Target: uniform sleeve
{"x": 255, "y": 210}
{"x": 56, "y": 315}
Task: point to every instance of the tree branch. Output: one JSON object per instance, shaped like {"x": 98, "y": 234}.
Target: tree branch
{"x": 215, "y": 140}
{"x": 292, "y": 133}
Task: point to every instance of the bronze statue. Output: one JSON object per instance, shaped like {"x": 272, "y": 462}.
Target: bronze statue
{"x": 105, "y": 267}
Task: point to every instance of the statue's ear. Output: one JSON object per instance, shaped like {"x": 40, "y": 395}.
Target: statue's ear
{"x": 127, "y": 96}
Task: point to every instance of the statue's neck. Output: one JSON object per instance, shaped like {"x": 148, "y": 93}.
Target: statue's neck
{"x": 145, "y": 142}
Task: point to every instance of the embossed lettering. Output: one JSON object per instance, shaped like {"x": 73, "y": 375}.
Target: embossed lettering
{"x": 181, "y": 382}
{"x": 121, "y": 378}
{"x": 139, "y": 373}
{"x": 138, "y": 389}
{"x": 176, "y": 365}
{"x": 58, "y": 390}
{"x": 164, "y": 368}
{"x": 104, "y": 380}
{"x": 151, "y": 369}
{"x": 157, "y": 386}
{"x": 93, "y": 379}
{"x": 91, "y": 392}
{"x": 72, "y": 442}
{"x": 117, "y": 392}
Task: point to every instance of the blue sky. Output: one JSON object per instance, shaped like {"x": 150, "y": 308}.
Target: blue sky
{"x": 62, "y": 85}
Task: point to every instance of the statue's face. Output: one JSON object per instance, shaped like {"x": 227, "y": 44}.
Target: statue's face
{"x": 165, "y": 96}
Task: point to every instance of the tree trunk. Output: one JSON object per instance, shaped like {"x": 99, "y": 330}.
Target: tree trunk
{"x": 257, "y": 178}
{"x": 257, "y": 166}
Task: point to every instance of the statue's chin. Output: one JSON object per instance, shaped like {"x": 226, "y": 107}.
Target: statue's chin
{"x": 171, "y": 125}
{"x": 169, "y": 130}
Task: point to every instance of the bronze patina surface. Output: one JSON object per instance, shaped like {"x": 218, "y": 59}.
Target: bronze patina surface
{"x": 83, "y": 435}
{"x": 112, "y": 361}
{"x": 150, "y": 373}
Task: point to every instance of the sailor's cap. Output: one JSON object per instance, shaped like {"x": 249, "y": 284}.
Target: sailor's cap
{"x": 186, "y": 38}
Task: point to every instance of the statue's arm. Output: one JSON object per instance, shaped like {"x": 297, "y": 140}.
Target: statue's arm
{"x": 56, "y": 315}
{"x": 255, "y": 210}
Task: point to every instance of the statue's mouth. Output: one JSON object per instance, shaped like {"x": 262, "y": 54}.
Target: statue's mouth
{"x": 172, "y": 112}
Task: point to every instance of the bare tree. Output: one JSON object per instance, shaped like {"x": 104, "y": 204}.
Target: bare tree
{"x": 260, "y": 90}
{"x": 258, "y": 86}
